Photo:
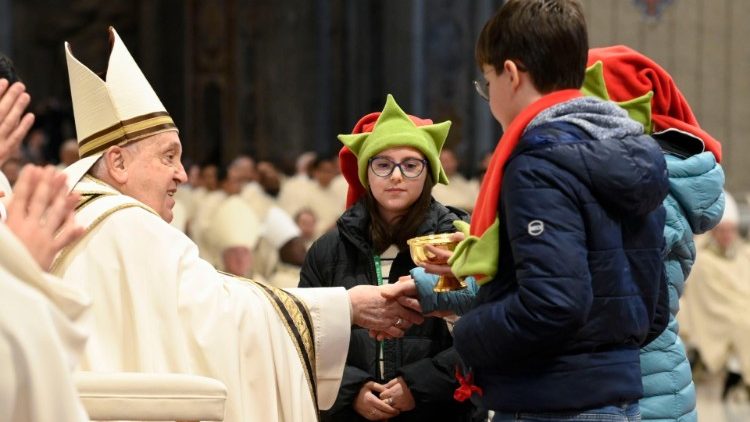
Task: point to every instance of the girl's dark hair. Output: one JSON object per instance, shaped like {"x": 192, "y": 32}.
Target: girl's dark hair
{"x": 384, "y": 233}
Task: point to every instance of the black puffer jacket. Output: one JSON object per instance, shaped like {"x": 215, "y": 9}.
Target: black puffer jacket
{"x": 424, "y": 357}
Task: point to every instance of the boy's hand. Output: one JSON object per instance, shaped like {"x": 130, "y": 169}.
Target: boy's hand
{"x": 441, "y": 255}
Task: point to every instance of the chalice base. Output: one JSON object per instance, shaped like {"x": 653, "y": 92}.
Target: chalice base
{"x": 449, "y": 283}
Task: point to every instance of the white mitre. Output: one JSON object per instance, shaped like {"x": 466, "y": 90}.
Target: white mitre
{"x": 119, "y": 109}
{"x": 233, "y": 223}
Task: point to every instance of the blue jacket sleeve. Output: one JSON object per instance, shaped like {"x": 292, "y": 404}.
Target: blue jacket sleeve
{"x": 553, "y": 295}
{"x": 459, "y": 302}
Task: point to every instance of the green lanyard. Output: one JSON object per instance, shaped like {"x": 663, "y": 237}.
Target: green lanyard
{"x": 378, "y": 271}
{"x": 379, "y": 275}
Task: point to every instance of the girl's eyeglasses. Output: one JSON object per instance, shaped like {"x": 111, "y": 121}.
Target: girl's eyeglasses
{"x": 410, "y": 168}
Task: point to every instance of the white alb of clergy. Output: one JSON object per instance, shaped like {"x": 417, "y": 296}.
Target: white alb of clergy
{"x": 42, "y": 334}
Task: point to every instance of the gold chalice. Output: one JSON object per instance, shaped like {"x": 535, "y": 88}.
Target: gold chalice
{"x": 420, "y": 255}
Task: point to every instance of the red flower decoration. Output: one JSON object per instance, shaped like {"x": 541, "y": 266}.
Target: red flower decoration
{"x": 467, "y": 387}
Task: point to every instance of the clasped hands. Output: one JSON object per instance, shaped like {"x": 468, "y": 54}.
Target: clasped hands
{"x": 388, "y": 311}
{"x": 377, "y": 402}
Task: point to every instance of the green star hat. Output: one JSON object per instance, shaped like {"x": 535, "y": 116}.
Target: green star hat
{"x": 395, "y": 129}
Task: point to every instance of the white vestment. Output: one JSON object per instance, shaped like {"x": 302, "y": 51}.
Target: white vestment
{"x": 41, "y": 338}
{"x": 158, "y": 307}
{"x": 201, "y": 221}
{"x": 277, "y": 228}
{"x": 714, "y": 308}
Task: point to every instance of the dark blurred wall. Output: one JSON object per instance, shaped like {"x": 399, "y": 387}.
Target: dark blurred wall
{"x": 6, "y": 25}
{"x": 272, "y": 78}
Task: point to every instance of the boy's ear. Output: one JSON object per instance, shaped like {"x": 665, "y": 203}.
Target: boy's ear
{"x": 510, "y": 67}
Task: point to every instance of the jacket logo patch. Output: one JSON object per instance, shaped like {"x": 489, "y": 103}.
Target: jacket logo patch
{"x": 536, "y": 227}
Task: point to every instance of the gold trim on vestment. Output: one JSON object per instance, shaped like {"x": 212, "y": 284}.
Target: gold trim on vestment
{"x": 86, "y": 199}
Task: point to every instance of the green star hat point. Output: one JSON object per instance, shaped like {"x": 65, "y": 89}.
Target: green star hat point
{"x": 638, "y": 108}
{"x": 395, "y": 129}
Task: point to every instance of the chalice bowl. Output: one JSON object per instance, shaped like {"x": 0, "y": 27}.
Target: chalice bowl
{"x": 420, "y": 255}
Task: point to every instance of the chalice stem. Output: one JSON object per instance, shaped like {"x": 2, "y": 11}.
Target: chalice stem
{"x": 449, "y": 283}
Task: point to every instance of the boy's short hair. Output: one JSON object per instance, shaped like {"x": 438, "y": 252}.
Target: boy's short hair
{"x": 547, "y": 38}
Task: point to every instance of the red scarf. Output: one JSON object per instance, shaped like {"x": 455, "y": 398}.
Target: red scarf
{"x": 485, "y": 209}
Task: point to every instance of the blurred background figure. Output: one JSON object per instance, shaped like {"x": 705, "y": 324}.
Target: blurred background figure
{"x": 243, "y": 169}
{"x": 279, "y": 251}
{"x": 34, "y": 145}
{"x": 324, "y": 197}
{"x": 715, "y": 320}
{"x": 460, "y": 192}
{"x": 302, "y": 169}
{"x": 190, "y": 199}
{"x": 209, "y": 176}
{"x": 194, "y": 175}
{"x": 306, "y": 221}
{"x": 303, "y": 163}
{"x": 234, "y": 233}
{"x": 270, "y": 178}
{"x": 205, "y": 213}
{"x": 68, "y": 153}
{"x": 12, "y": 168}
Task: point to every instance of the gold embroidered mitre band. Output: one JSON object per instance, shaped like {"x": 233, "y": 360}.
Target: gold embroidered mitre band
{"x": 116, "y": 110}
{"x": 125, "y": 131}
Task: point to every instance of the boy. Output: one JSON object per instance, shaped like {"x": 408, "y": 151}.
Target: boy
{"x": 566, "y": 236}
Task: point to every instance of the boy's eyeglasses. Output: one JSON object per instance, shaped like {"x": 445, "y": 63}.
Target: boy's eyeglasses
{"x": 483, "y": 89}
{"x": 410, "y": 168}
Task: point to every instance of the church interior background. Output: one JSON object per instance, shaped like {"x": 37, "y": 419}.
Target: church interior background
{"x": 275, "y": 78}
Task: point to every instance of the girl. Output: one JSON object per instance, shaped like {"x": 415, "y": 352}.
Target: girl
{"x": 391, "y": 163}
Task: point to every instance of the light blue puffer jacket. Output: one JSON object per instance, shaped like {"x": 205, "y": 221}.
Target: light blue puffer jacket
{"x": 694, "y": 205}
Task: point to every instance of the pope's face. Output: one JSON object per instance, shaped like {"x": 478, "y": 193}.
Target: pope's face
{"x": 154, "y": 172}
{"x": 395, "y": 193}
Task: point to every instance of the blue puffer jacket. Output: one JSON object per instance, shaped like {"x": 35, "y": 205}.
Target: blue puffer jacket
{"x": 694, "y": 205}
{"x": 580, "y": 265}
